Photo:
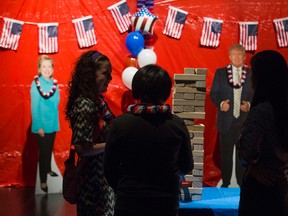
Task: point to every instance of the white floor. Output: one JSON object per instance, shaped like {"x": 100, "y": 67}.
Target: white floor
{"x": 54, "y": 183}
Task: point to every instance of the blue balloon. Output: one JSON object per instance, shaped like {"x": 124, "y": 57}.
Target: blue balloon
{"x": 135, "y": 42}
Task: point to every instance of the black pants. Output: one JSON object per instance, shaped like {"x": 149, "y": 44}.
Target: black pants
{"x": 227, "y": 143}
{"x": 45, "y": 145}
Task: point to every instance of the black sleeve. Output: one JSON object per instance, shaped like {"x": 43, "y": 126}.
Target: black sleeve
{"x": 111, "y": 157}
{"x": 185, "y": 158}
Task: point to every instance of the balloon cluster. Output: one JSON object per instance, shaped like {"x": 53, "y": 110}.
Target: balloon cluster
{"x": 140, "y": 43}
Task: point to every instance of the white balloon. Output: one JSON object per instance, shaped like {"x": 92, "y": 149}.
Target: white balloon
{"x": 146, "y": 56}
{"x": 127, "y": 76}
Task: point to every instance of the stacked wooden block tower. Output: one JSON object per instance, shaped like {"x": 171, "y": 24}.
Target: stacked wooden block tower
{"x": 189, "y": 103}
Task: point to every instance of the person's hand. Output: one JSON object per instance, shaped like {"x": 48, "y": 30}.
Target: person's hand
{"x": 263, "y": 174}
{"x": 225, "y": 105}
{"x": 41, "y": 132}
{"x": 244, "y": 106}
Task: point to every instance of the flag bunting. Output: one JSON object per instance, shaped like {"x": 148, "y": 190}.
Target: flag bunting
{"x": 11, "y": 33}
{"x": 175, "y": 22}
{"x": 211, "y": 32}
{"x": 84, "y": 28}
{"x": 48, "y": 37}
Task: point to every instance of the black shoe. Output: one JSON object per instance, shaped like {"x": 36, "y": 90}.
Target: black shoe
{"x": 45, "y": 189}
{"x": 224, "y": 186}
{"x": 53, "y": 174}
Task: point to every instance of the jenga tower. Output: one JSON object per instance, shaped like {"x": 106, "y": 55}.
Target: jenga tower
{"x": 189, "y": 104}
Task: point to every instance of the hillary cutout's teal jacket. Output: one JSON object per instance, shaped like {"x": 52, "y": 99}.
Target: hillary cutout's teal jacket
{"x": 44, "y": 111}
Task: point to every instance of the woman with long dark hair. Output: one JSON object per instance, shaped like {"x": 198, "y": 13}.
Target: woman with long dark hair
{"x": 263, "y": 144}
{"x": 89, "y": 117}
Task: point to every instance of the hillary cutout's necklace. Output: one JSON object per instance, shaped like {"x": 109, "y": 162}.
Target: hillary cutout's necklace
{"x": 230, "y": 76}
{"x": 45, "y": 95}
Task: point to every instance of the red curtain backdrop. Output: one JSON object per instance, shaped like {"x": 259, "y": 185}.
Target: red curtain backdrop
{"x": 18, "y": 150}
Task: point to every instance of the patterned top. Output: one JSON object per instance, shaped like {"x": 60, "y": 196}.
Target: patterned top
{"x": 258, "y": 140}
{"x": 95, "y": 191}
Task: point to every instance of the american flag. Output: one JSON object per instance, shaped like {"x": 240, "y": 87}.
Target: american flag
{"x": 11, "y": 33}
{"x": 48, "y": 37}
{"x": 248, "y": 35}
{"x": 147, "y": 3}
{"x": 175, "y": 22}
{"x": 144, "y": 21}
{"x": 281, "y": 26}
{"x": 211, "y": 32}
{"x": 121, "y": 14}
{"x": 84, "y": 28}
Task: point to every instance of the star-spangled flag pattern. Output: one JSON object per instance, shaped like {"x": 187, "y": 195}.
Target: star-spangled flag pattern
{"x": 248, "y": 35}
{"x": 281, "y": 26}
{"x": 84, "y": 28}
{"x": 11, "y": 33}
{"x": 121, "y": 14}
{"x": 175, "y": 22}
{"x": 48, "y": 37}
{"x": 147, "y": 3}
{"x": 144, "y": 21}
{"x": 211, "y": 32}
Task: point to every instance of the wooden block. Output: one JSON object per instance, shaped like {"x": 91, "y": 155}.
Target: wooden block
{"x": 198, "y": 134}
{"x": 191, "y": 115}
{"x": 189, "y": 70}
{"x": 197, "y": 172}
{"x": 178, "y": 96}
{"x": 198, "y": 166}
{"x": 201, "y": 71}
{"x": 201, "y": 84}
{"x": 200, "y": 96}
{"x": 188, "y": 102}
{"x": 177, "y": 109}
{"x": 192, "y": 77}
{"x": 198, "y": 140}
{"x": 188, "y": 122}
{"x": 188, "y": 108}
{"x": 197, "y": 146}
{"x": 198, "y": 159}
{"x": 189, "y": 96}
{"x": 199, "y": 109}
{"x": 188, "y": 89}
{"x": 192, "y": 178}
{"x": 198, "y": 153}
{"x": 195, "y": 190}
{"x": 197, "y": 184}
{"x": 198, "y": 127}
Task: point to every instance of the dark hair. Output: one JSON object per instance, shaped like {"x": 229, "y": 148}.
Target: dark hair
{"x": 83, "y": 82}
{"x": 151, "y": 84}
{"x": 270, "y": 82}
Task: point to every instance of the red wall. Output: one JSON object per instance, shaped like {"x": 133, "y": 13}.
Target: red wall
{"x": 18, "y": 150}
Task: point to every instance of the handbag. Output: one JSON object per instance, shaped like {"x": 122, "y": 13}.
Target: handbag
{"x": 72, "y": 178}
